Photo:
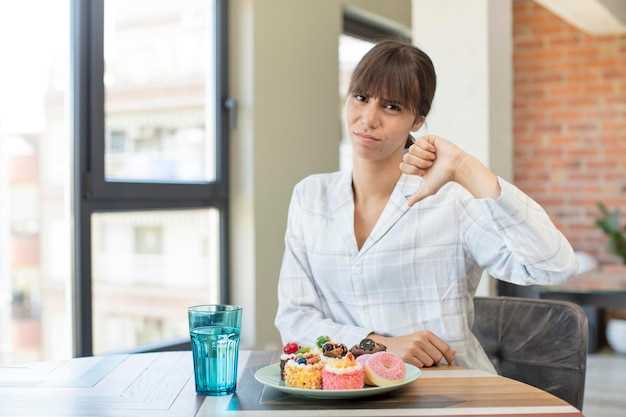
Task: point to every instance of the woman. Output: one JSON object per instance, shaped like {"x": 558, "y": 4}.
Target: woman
{"x": 395, "y": 249}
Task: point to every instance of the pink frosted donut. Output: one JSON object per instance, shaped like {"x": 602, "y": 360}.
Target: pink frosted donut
{"x": 363, "y": 358}
{"x": 384, "y": 369}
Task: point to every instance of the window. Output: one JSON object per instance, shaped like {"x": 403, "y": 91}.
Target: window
{"x": 152, "y": 273}
{"x": 161, "y": 92}
{"x": 152, "y": 230}
{"x": 35, "y": 210}
{"x": 113, "y": 172}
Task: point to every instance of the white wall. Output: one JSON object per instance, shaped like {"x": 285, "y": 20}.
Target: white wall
{"x": 284, "y": 72}
{"x": 596, "y": 17}
{"x": 470, "y": 43}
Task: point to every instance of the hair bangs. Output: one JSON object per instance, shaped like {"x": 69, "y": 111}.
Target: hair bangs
{"x": 388, "y": 75}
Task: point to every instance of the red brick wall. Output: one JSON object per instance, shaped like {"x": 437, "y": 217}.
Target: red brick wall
{"x": 569, "y": 122}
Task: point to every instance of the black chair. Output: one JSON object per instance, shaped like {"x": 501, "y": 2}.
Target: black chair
{"x": 539, "y": 342}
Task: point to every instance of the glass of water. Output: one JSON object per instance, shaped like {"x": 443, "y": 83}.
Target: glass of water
{"x": 214, "y": 331}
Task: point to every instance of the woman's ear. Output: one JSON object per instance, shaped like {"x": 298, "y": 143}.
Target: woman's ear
{"x": 419, "y": 121}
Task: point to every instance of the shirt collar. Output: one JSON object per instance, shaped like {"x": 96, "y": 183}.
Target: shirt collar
{"x": 406, "y": 186}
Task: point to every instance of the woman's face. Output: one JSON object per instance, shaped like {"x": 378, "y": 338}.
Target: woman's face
{"x": 378, "y": 127}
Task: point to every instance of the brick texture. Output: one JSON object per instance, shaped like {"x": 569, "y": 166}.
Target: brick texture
{"x": 569, "y": 122}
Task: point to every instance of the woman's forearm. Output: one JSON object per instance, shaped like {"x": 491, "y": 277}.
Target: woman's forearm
{"x": 476, "y": 178}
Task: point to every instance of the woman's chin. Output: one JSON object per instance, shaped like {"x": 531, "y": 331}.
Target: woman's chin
{"x": 367, "y": 153}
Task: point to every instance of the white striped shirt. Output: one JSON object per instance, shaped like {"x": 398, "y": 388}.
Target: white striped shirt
{"x": 419, "y": 267}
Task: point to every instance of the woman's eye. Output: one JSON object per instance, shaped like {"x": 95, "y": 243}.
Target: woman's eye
{"x": 393, "y": 107}
{"x": 360, "y": 97}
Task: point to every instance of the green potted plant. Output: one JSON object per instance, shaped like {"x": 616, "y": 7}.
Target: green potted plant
{"x": 610, "y": 225}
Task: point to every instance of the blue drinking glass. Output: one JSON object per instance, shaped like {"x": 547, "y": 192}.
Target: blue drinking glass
{"x": 214, "y": 331}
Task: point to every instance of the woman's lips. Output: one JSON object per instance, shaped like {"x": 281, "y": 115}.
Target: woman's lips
{"x": 366, "y": 137}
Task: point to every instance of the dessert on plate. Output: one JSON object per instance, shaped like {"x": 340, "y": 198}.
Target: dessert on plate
{"x": 294, "y": 351}
{"x": 367, "y": 346}
{"x": 331, "y": 351}
{"x": 344, "y": 373}
{"x": 361, "y": 361}
{"x": 330, "y": 366}
{"x": 383, "y": 369}
{"x": 304, "y": 372}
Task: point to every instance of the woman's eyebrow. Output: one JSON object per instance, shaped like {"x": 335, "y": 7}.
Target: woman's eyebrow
{"x": 390, "y": 101}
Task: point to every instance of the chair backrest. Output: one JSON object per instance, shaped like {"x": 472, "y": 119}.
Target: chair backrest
{"x": 539, "y": 342}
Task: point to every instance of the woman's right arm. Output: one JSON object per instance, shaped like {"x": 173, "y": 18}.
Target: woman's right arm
{"x": 300, "y": 317}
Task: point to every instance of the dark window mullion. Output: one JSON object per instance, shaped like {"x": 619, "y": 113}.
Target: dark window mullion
{"x": 101, "y": 206}
{"x": 145, "y": 191}
{"x": 81, "y": 280}
{"x": 96, "y": 95}
{"x": 222, "y": 145}
{"x": 221, "y": 112}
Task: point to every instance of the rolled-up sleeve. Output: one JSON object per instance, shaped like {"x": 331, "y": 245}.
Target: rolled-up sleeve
{"x": 300, "y": 317}
{"x": 513, "y": 238}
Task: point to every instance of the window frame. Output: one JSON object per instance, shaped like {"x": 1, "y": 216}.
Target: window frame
{"x": 90, "y": 190}
{"x": 368, "y": 28}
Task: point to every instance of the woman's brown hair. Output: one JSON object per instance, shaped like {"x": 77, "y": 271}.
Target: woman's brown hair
{"x": 399, "y": 72}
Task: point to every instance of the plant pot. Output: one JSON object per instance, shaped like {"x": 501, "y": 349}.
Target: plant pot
{"x": 616, "y": 335}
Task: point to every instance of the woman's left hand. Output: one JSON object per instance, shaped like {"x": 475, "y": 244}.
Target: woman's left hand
{"x": 436, "y": 160}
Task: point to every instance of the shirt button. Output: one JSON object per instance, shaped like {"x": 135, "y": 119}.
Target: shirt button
{"x": 357, "y": 267}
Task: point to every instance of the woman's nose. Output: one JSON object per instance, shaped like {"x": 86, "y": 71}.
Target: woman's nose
{"x": 370, "y": 115}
